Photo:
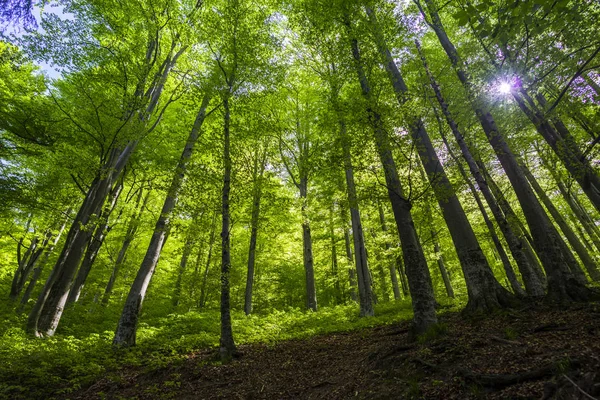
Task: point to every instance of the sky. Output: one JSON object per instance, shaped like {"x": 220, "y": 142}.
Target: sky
{"x": 18, "y": 31}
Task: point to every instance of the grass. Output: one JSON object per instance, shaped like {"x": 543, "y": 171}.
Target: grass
{"x": 74, "y": 358}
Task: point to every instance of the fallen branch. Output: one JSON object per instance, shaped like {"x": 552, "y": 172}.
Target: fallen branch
{"x": 580, "y": 389}
{"x": 499, "y": 381}
{"x": 551, "y": 327}
{"x": 506, "y": 341}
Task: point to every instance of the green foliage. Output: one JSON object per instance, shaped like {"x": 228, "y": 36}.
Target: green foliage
{"x": 33, "y": 368}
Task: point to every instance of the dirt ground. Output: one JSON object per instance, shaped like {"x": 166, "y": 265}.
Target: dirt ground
{"x": 532, "y": 353}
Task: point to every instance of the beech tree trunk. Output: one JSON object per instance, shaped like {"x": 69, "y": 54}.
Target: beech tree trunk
{"x": 40, "y": 266}
{"x": 334, "y": 261}
{"x": 388, "y": 246}
{"x": 127, "y": 326}
{"x": 484, "y": 290}
{"x": 417, "y": 271}
{"x": 94, "y": 247}
{"x": 365, "y": 290}
{"x": 533, "y": 284}
{"x": 227, "y": 345}
{"x": 587, "y": 261}
{"x": 129, "y": 236}
{"x": 257, "y": 178}
{"x": 211, "y": 242}
{"x": 562, "y": 284}
{"x": 351, "y": 270}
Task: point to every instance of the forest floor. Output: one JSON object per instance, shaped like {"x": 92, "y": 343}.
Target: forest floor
{"x": 532, "y": 353}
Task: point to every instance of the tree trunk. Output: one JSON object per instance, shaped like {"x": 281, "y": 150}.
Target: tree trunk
{"x": 485, "y": 292}
{"x": 126, "y": 328}
{"x": 40, "y": 266}
{"x": 309, "y": 268}
{"x": 365, "y": 290}
{"x": 533, "y": 284}
{"x": 203, "y": 288}
{"x": 334, "y": 262}
{"x": 349, "y": 257}
{"x": 187, "y": 249}
{"x": 259, "y": 169}
{"x": 227, "y": 345}
{"x": 584, "y": 256}
{"x": 129, "y": 236}
{"x": 388, "y": 246}
{"x": 93, "y": 248}
{"x": 560, "y": 140}
{"x": 562, "y": 285}
{"x": 417, "y": 271}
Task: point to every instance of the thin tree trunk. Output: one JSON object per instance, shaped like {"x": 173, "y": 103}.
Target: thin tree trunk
{"x": 227, "y": 345}
{"x": 93, "y": 247}
{"x": 562, "y": 284}
{"x": 203, "y": 288}
{"x": 484, "y": 290}
{"x": 388, "y": 246}
{"x": 334, "y": 261}
{"x": 365, "y": 291}
{"x": 532, "y": 282}
{"x": 349, "y": 257}
{"x": 584, "y": 256}
{"x": 258, "y": 172}
{"x": 129, "y": 236}
{"x": 126, "y": 328}
{"x": 309, "y": 267}
{"x": 417, "y": 271}
{"x": 40, "y": 266}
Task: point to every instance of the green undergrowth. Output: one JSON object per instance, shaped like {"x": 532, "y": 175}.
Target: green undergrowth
{"x": 53, "y": 367}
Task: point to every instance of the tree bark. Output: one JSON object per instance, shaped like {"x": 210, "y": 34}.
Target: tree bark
{"x": 485, "y": 292}
{"x": 533, "y": 284}
{"x": 127, "y": 326}
{"x": 365, "y": 290}
{"x": 388, "y": 246}
{"x": 584, "y": 256}
{"x": 93, "y": 248}
{"x": 129, "y": 236}
{"x": 349, "y": 257}
{"x": 40, "y": 266}
{"x": 227, "y": 345}
{"x": 562, "y": 284}
{"x": 257, "y": 178}
{"x": 417, "y": 271}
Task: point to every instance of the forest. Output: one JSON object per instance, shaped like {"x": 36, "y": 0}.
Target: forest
{"x": 299, "y": 199}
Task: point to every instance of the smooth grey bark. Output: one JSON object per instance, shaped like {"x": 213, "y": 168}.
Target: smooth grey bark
{"x": 508, "y": 269}
{"x": 226, "y": 343}
{"x": 417, "y": 271}
{"x": 580, "y": 213}
{"x": 560, "y": 140}
{"x": 40, "y": 266}
{"x": 334, "y": 261}
{"x": 349, "y": 257}
{"x": 533, "y": 284}
{"x": 436, "y": 244}
{"x": 211, "y": 242}
{"x": 307, "y": 253}
{"x": 388, "y": 246}
{"x": 562, "y": 284}
{"x": 363, "y": 274}
{"x": 46, "y": 315}
{"x": 402, "y": 273}
{"x": 129, "y": 236}
{"x": 94, "y": 246}
{"x": 257, "y": 179}
{"x": 484, "y": 290}
{"x": 27, "y": 262}
{"x": 587, "y": 261}
{"x": 127, "y": 326}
